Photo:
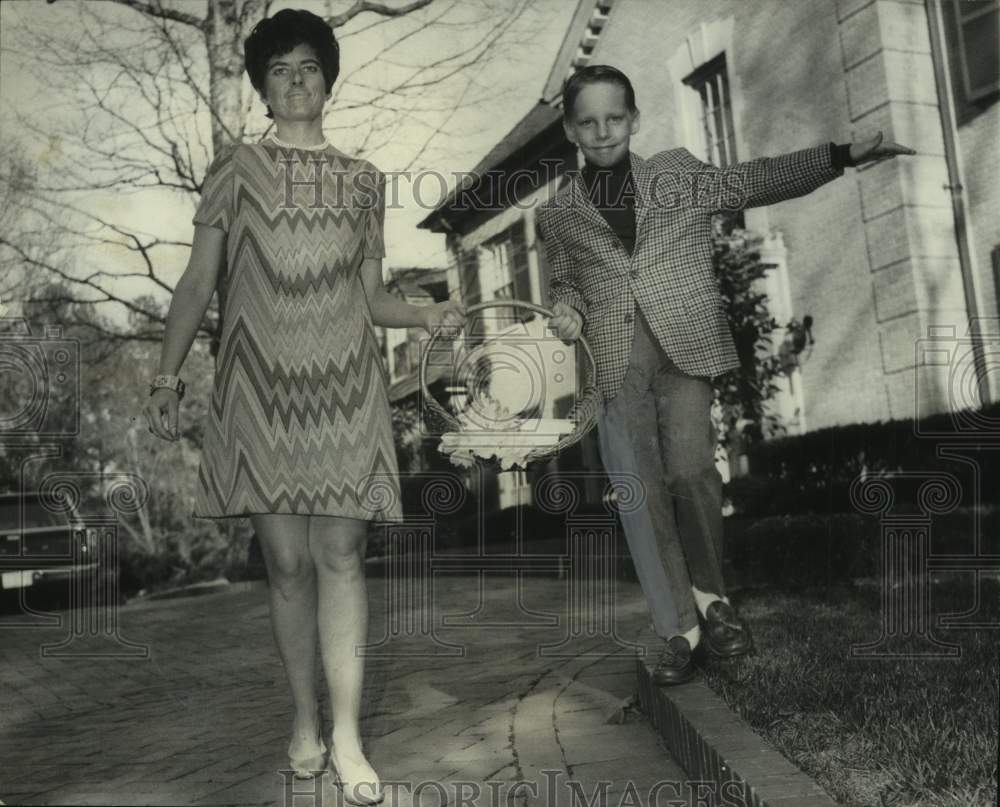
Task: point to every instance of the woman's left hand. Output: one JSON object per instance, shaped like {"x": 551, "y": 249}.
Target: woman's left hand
{"x": 449, "y": 316}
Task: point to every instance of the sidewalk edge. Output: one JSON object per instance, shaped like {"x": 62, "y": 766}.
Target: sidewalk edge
{"x": 713, "y": 745}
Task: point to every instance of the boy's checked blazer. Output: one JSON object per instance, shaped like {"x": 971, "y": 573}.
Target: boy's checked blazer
{"x": 670, "y": 271}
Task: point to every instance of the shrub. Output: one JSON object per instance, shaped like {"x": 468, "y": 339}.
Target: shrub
{"x": 827, "y": 549}
{"x": 742, "y": 393}
{"x": 813, "y": 473}
{"x": 794, "y": 551}
{"x": 140, "y": 570}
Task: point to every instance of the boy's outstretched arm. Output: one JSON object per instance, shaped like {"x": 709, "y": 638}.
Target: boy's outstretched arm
{"x": 769, "y": 180}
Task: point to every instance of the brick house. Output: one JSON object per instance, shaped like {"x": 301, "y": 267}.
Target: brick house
{"x": 401, "y": 346}
{"x": 884, "y": 260}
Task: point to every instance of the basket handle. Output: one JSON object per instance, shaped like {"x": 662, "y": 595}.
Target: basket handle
{"x": 439, "y": 410}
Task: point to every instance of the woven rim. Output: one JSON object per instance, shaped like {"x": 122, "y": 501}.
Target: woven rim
{"x": 587, "y": 408}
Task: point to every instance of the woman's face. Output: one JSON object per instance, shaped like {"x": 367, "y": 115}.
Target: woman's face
{"x": 294, "y": 87}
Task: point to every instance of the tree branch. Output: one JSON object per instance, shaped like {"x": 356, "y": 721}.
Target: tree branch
{"x": 67, "y": 277}
{"x": 361, "y": 6}
{"x": 158, "y": 11}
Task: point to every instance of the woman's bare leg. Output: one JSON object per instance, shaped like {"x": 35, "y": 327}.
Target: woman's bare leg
{"x": 284, "y": 542}
{"x": 338, "y": 549}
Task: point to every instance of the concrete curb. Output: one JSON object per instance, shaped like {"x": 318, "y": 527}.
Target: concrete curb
{"x": 196, "y": 591}
{"x": 715, "y": 746}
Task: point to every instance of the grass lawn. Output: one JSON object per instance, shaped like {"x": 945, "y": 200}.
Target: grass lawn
{"x": 884, "y": 732}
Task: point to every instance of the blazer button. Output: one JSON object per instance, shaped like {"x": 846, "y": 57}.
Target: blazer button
{"x": 634, "y": 274}
{"x": 628, "y": 318}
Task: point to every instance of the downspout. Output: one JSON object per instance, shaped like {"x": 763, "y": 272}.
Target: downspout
{"x": 949, "y": 129}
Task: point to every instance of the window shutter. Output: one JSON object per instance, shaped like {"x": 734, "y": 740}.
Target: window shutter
{"x": 521, "y": 266}
{"x": 469, "y": 265}
{"x": 401, "y": 365}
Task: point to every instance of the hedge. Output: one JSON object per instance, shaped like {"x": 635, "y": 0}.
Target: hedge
{"x": 813, "y": 472}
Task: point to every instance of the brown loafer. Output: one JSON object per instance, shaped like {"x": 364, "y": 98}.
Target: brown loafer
{"x": 725, "y": 635}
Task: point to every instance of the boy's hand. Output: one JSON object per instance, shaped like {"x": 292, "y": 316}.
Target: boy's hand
{"x": 566, "y": 322}
{"x": 449, "y": 316}
{"x": 874, "y": 149}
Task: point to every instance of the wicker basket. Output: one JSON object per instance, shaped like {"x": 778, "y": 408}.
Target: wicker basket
{"x": 583, "y": 414}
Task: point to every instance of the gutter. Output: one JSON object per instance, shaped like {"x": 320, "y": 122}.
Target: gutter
{"x": 959, "y": 202}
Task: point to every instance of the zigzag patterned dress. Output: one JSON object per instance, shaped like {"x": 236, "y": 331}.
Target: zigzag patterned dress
{"x": 299, "y": 420}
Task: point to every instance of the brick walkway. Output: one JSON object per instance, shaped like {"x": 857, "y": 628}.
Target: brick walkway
{"x": 205, "y": 719}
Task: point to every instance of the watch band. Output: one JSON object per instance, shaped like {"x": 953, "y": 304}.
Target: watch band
{"x": 171, "y": 382}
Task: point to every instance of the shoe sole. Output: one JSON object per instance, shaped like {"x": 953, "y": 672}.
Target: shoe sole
{"x": 728, "y": 653}
{"x": 666, "y": 682}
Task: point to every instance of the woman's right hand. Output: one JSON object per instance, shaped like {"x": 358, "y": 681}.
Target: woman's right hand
{"x": 161, "y": 413}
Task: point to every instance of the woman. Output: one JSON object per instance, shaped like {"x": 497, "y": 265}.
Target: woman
{"x": 299, "y": 435}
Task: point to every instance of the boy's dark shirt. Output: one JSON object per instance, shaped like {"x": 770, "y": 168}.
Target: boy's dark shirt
{"x": 612, "y": 192}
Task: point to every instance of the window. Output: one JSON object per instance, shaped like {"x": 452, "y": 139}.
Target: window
{"x": 506, "y": 272}
{"x": 711, "y": 82}
{"x": 496, "y": 266}
{"x": 495, "y": 277}
{"x": 977, "y": 30}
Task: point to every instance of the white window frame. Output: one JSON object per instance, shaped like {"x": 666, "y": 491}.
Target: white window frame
{"x": 713, "y": 89}
{"x": 704, "y": 43}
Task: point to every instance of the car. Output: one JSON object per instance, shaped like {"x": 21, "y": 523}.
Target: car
{"x": 48, "y": 550}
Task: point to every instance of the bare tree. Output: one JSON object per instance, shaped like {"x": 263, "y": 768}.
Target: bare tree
{"x": 20, "y": 178}
{"x": 142, "y": 80}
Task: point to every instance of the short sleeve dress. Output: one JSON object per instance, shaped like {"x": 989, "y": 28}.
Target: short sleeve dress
{"x": 299, "y": 420}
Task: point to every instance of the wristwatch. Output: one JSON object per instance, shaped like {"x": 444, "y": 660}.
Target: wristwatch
{"x": 168, "y": 382}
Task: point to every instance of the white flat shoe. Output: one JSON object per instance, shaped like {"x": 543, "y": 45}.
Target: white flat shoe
{"x": 358, "y": 781}
{"x": 308, "y": 767}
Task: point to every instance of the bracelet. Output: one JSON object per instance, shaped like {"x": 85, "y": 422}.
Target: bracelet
{"x": 170, "y": 382}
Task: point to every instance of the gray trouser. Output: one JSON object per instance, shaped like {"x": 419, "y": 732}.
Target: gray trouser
{"x": 659, "y": 427}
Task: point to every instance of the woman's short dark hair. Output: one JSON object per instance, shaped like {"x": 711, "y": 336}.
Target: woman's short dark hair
{"x": 282, "y": 33}
{"x": 595, "y": 74}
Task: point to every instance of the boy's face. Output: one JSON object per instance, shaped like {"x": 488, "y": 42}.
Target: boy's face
{"x": 294, "y": 87}
{"x": 601, "y": 123}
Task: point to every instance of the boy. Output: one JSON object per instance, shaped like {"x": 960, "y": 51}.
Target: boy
{"x": 628, "y": 243}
